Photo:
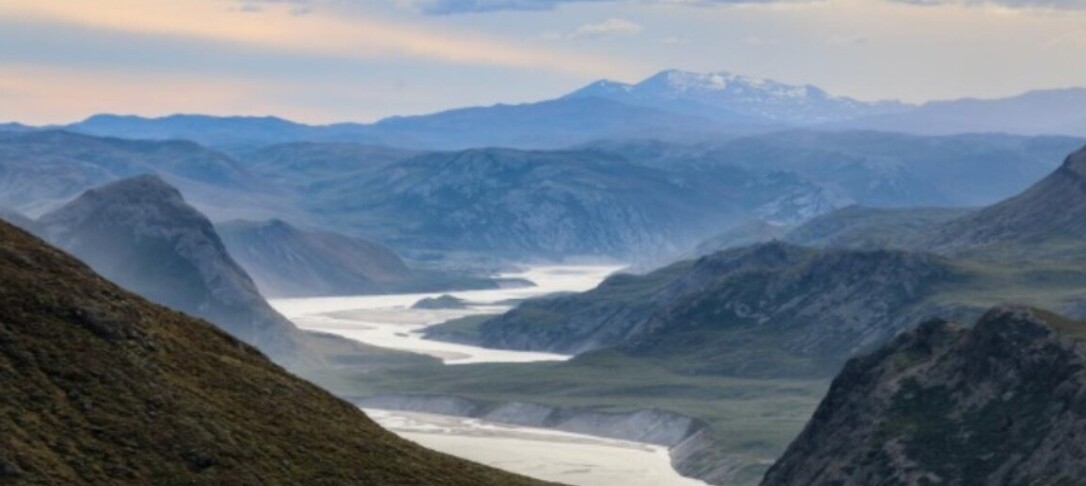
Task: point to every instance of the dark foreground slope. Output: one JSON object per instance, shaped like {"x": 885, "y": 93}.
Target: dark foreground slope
{"x": 1002, "y": 403}
{"x": 100, "y": 386}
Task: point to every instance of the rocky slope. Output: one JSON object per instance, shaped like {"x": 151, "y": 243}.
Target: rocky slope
{"x": 99, "y": 386}
{"x": 767, "y": 310}
{"x": 141, "y": 234}
{"x": 285, "y": 261}
{"x": 1001, "y": 403}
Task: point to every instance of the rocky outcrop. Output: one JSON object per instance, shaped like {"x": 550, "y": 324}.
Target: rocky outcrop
{"x": 1000, "y": 403}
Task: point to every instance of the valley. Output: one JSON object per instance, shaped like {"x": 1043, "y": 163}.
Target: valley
{"x": 543, "y": 242}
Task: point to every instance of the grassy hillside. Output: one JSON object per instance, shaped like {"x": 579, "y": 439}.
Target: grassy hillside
{"x": 99, "y": 386}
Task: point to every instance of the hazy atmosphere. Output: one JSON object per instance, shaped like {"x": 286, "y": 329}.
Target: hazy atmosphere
{"x": 529, "y": 242}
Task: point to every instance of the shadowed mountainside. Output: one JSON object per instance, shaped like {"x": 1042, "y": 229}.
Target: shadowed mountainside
{"x": 100, "y": 386}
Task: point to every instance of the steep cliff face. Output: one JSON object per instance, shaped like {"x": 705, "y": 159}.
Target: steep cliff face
{"x": 772, "y": 308}
{"x": 99, "y": 386}
{"x": 1001, "y": 403}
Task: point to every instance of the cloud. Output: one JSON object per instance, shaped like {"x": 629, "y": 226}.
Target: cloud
{"x": 848, "y": 40}
{"x": 1014, "y": 4}
{"x": 450, "y": 7}
{"x": 607, "y": 28}
{"x": 320, "y": 33}
{"x": 447, "y": 7}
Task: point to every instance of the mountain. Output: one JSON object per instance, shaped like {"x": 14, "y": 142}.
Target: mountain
{"x": 140, "y": 233}
{"x": 100, "y": 386}
{"x": 1042, "y": 222}
{"x": 1001, "y": 403}
{"x": 545, "y": 124}
{"x": 863, "y": 227}
{"x": 746, "y": 234}
{"x": 18, "y": 220}
{"x": 41, "y": 170}
{"x": 285, "y": 261}
{"x": 304, "y": 166}
{"x": 1053, "y": 112}
{"x": 15, "y": 127}
{"x": 767, "y": 310}
{"x": 535, "y": 202}
{"x": 736, "y": 99}
{"x": 1050, "y": 210}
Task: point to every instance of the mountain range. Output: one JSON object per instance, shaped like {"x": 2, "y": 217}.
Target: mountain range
{"x": 631, "y": 200}
{"x": 673, "y": 105}
{"x": 706, "y": 337}
{"x": 100, "y": 386}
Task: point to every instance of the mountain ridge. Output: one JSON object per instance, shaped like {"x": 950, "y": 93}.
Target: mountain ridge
{"x": 100, "y": 386}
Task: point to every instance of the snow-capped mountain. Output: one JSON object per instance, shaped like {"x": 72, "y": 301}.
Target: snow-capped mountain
{"x": 739, "y": 99}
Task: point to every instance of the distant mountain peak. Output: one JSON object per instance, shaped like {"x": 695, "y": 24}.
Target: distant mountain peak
{"x": 723, "y": 80}
{"x": 734, "y": 97}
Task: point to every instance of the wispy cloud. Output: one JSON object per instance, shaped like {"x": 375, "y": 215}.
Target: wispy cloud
{"x": 320, "y": 33}
{"x": 607, "y": 28}
{"x": 448, "y": 7}
{"x": 1014, "y": 4}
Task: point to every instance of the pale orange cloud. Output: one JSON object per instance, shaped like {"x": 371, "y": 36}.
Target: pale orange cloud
{"x": 319, "y": 33}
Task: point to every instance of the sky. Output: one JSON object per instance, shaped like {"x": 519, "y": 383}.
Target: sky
{"x": 322, "y": 61}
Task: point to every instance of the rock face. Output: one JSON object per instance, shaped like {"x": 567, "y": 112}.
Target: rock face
{"x": 99, "y": 386}
{"x": 285, "y": 261}
{"x": 1001, "y": 403}
{"x": 764, "y": 310}
{"x": 141, "y": 234}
